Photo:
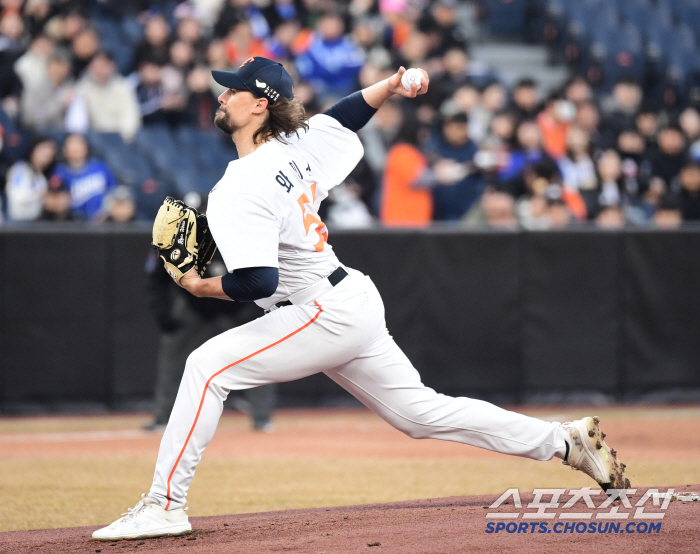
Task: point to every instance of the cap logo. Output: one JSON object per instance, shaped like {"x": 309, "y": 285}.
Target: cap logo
{"x": 247, "y": 61}
{"x": 267, "y": 91}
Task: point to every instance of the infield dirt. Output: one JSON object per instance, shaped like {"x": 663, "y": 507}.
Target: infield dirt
{"x": 443, "y": 525}
{"x": 70, "y": 471}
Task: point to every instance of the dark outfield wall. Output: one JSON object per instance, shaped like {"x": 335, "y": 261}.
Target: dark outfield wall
{"x": 481, "y": 313}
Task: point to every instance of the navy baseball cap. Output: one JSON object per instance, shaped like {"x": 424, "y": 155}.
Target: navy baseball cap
{"x": 264, "y": 78}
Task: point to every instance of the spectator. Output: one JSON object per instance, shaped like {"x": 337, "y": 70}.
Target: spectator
{"x": 36, "y": 15}
{"x": 670, "y": 155}
{"x": 27, "y": 181}
{"x": 588, "y": 118}
{"x": 690, "y": 191}
{"x": 636, "y": 172}
{"x": 110, "y": 101}
{"x": 500, "y": 135}
{"x": 201, "y": 103}
{"x": 333, "y": 61}
{"x": 578, "y": 91}
{"x": 492, "y": 100}
{"x": 45, "y": 103}
{"x": 610, "y": 188}
{"x": 554, "y": 123}
{"x": 668, "y": 214}
{"x": 119, "y": 205}
{"x": 404, "y": 201}
{"x": 647, "y": 123}
{"x": 288, "y": 40}
{"x": 32, "y": 66}
{"x": 380, "y": 134}
{"x": 610, "y": 217}
{"x": 558, "y": 210}
{"x": 542, "y": 192}
{"x": 441, "y": 24}
{"x": 689, "y": 122}
{"x": 149, "y": 94}
{"x": 240, "y": 44}
{"x": 526, "y": 103}
{"x": 189, "y": 30}
{"x": 56, "y": 202}
{"x": 456, "y": 74}
{"x": 237, "y": 11}
{"x": 13, "y": 41}
{"x": 494, "y": 209}
{"x": 85, "y": 46}
{"x": 457, "y": 183}
{"x": 155, "y": 46}
{"x": 528, "y": 151}
{"x": 279, "y": 12}
{"x": 88, "y": 179}
{"x": 577, "y": 167}
{"x": 620, "y": 108}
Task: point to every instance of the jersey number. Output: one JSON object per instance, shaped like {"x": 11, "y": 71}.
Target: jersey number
{"x": 312, "y": 217}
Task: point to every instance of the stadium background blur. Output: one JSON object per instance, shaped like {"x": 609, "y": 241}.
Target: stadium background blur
{"x": 541, "y": 113}
{"x": 529, "y": 221}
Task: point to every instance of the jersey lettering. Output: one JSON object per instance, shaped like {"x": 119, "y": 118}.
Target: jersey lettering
{"x": 295, "y": 167}
{"x": 284, "y": 181}
{"x": 312, "y": 218}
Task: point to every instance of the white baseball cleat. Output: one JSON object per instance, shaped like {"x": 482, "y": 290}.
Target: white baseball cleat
{"x": 146, "y": 519}
{"x": 589, "y": 453}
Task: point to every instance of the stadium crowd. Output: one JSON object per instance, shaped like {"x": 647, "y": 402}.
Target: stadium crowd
{"x": 105, "y": 107}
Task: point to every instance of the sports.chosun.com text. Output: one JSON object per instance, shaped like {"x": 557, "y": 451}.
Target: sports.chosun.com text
{"x": 574, "y": 527}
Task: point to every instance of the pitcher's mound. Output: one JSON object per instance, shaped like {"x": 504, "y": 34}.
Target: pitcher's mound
{"x": 441, "y": 525}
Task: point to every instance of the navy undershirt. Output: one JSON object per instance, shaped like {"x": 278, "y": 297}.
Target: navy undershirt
{"x": 253, "y": 283}
{"x": 352, "y": 112}
{"x": 250, "y": 283}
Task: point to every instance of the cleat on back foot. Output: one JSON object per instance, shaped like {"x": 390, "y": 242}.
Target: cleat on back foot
{"x": 589, "y": 453}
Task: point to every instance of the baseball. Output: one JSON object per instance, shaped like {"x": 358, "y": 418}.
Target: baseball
{"x": 412, "y": 75}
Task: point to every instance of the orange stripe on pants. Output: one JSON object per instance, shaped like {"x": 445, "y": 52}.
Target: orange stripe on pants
{"x": 206, "y": 387}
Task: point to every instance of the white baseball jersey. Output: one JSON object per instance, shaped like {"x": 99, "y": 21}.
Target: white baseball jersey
{"x": 263, "y": 211}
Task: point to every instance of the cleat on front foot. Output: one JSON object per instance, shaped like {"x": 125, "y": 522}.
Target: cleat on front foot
{"x": 146, "y": 520}
{"x": 589, "y": 453}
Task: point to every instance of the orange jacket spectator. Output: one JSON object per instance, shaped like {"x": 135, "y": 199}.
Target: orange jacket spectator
{"x": 402, "y": 204}
{"x": 553, "y": 135}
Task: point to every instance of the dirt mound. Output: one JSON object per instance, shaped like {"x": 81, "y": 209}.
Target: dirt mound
{"x": 443, "y": 525}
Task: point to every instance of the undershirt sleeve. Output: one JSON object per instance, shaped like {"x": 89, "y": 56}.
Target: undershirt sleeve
{"x": 352, "y": 112}
{"x": 250, "y": 283}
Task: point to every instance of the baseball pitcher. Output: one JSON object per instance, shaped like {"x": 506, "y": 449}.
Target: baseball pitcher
{"x": 321, "y": 315}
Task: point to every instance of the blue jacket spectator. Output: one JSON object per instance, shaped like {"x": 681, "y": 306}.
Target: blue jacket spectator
{"x": 88, "y": 179}
{"x": 333, "y": 61}
{"x": 458, "y": 185}
{"x": 528, "y": 151}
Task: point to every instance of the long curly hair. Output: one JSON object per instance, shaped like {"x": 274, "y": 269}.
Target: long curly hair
{"x": 286, "y": 117}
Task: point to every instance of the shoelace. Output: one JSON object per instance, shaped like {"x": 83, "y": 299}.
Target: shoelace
{"x": 131, "y": 512}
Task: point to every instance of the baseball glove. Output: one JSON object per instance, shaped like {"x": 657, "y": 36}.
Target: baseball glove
{"x": 182, "y": 238}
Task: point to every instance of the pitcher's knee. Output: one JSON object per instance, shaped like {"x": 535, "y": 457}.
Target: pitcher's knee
{"x": 412, "y": 429}
{"x": 196, "y": 362}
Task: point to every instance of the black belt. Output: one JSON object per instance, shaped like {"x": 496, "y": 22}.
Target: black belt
{"x": 334, "y": 278}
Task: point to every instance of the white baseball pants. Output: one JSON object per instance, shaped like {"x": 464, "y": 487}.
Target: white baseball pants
{"x": 343, "y": 334}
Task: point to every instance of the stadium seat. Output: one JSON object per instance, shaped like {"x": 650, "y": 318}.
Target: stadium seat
{"x": 113, "y": 41}
{"x": 506, "y": 17}
{"x": 158, "y": 144}
{"x": 104, "y": 143}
